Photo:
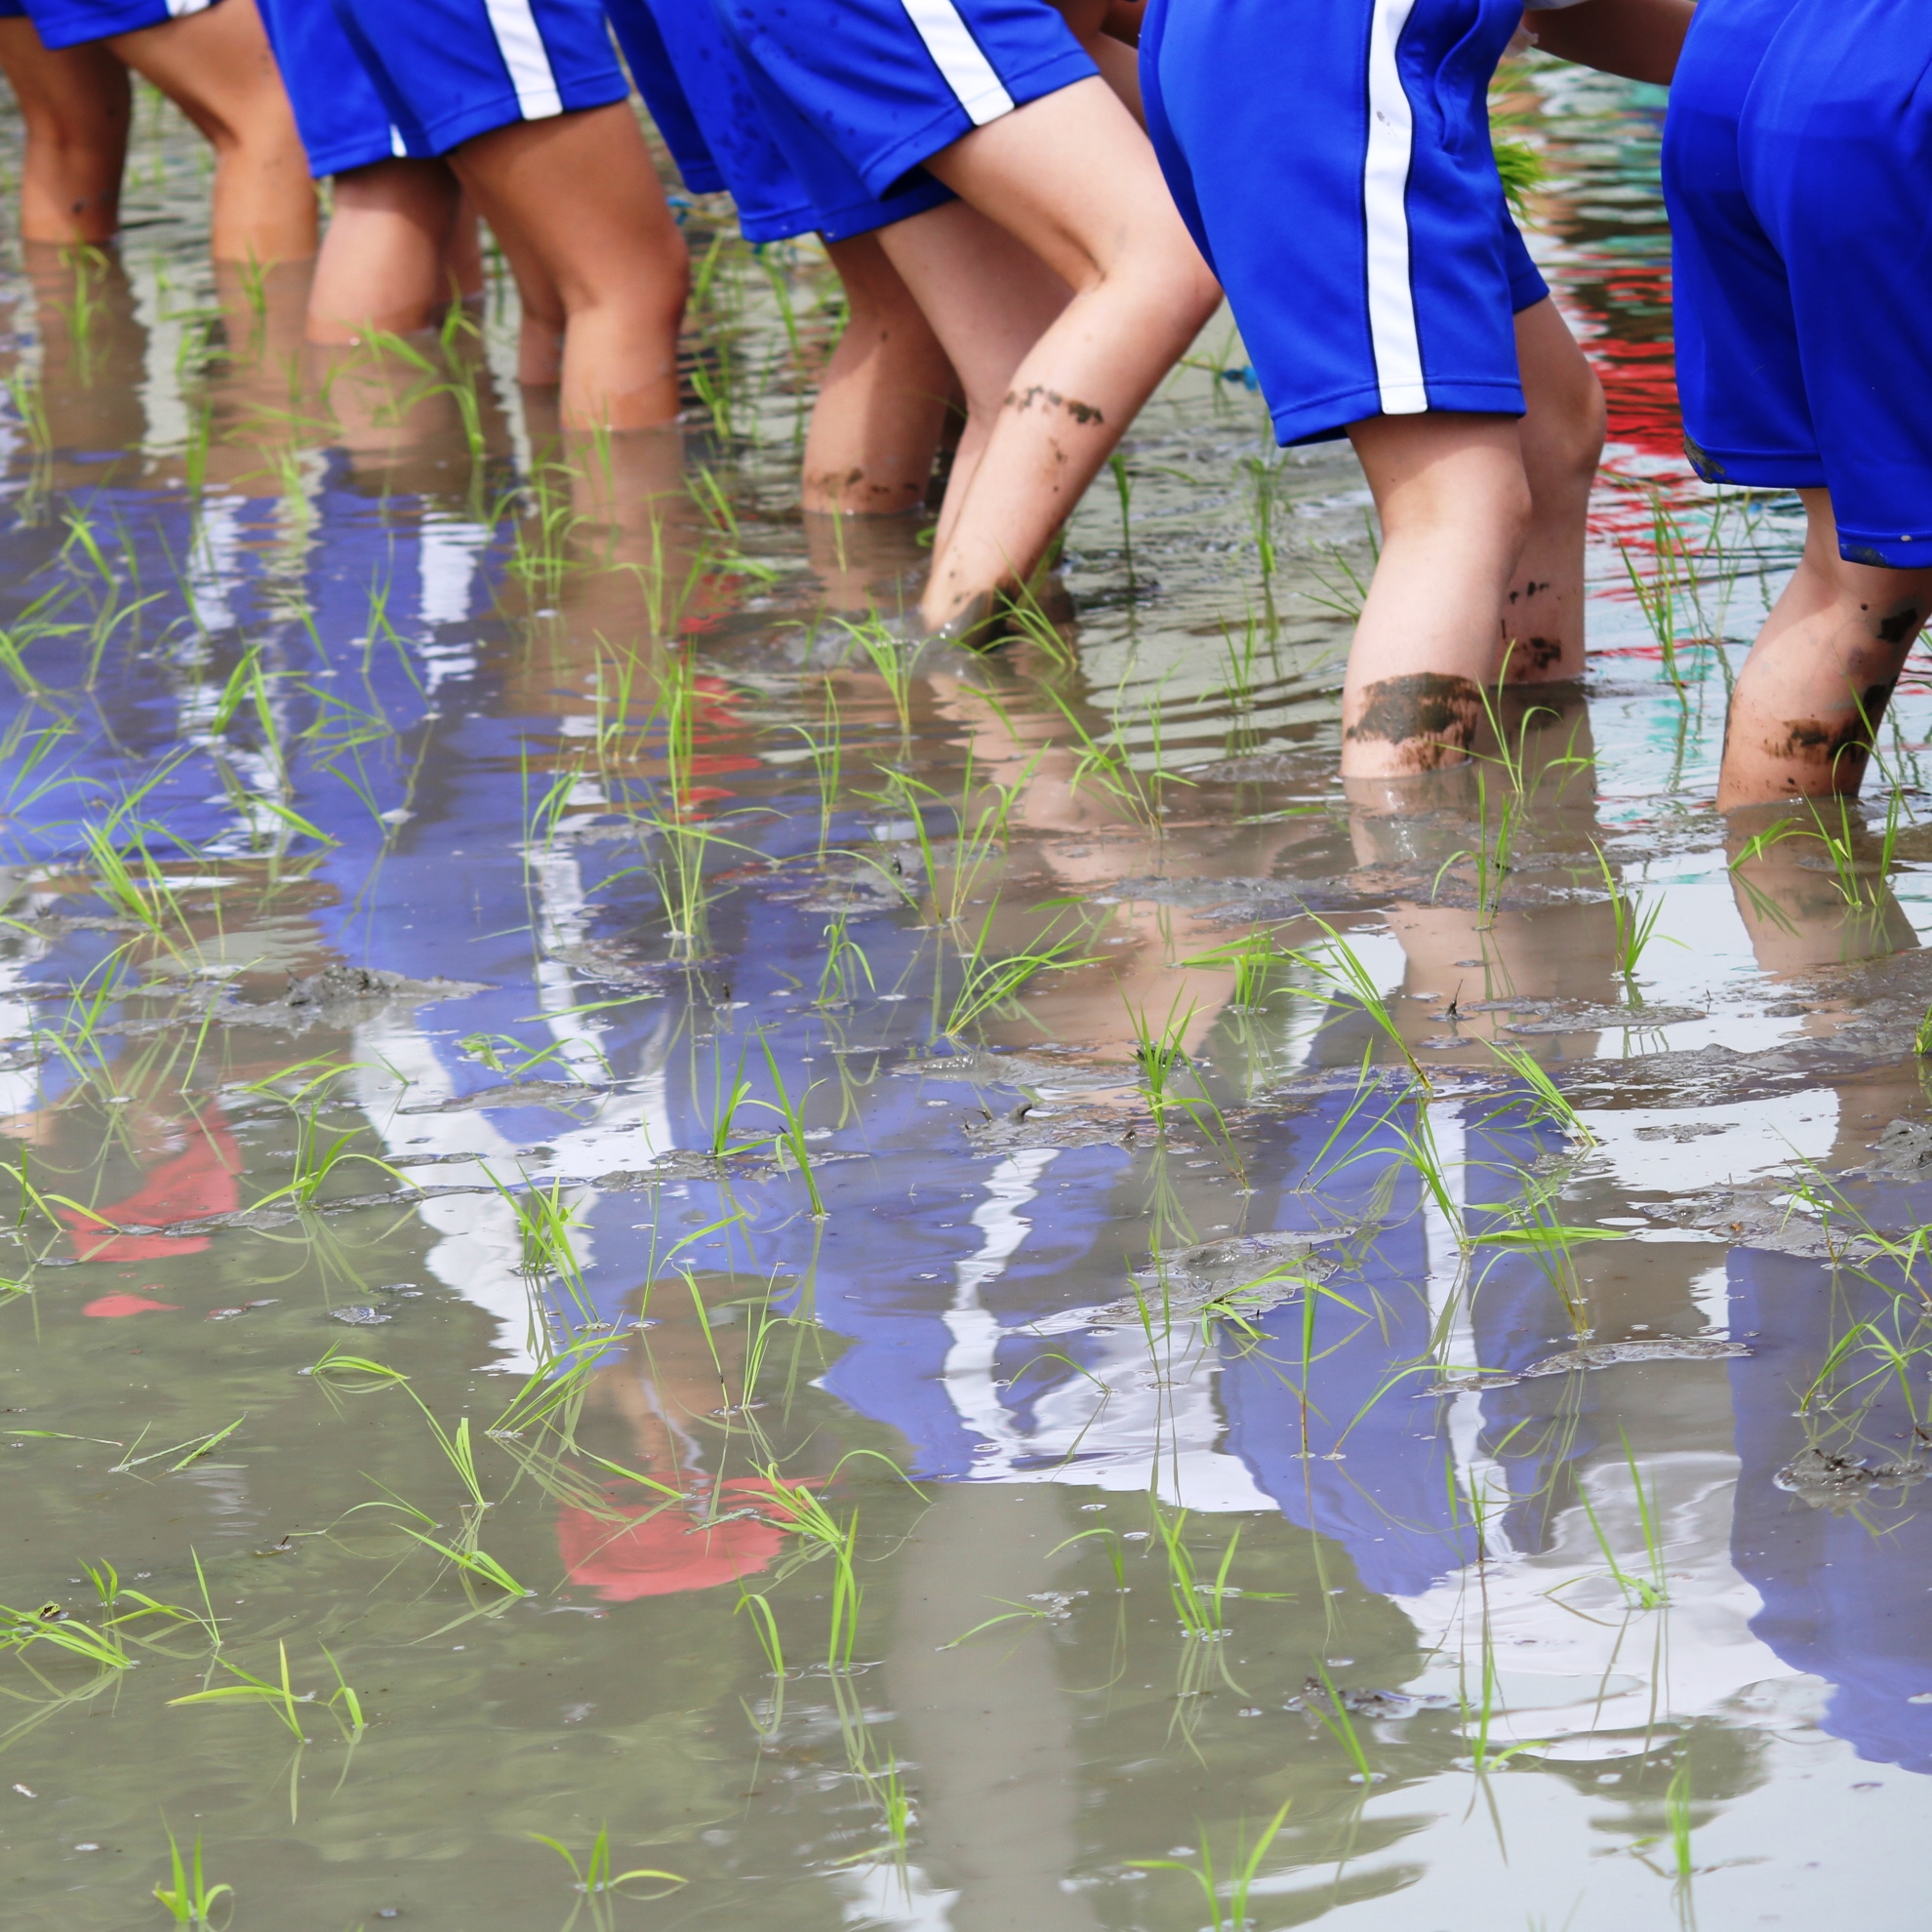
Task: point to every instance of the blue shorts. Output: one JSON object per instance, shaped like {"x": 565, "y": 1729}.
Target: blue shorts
{"x": 75, "y": 23}
{"x": 1340, "y": 181}
{"x": 449, "y": 70}
{"x": 860, "y": 93}
{"x": 338, "y": 113}
{"x": 1797, "y": 169}
{"x": 694, "y": 82}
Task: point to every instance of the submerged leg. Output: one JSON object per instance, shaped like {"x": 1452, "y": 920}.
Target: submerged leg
{"x": 1815, "y": 687}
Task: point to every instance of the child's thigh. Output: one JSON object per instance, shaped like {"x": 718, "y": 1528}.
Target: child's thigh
{"x": 1838, "y": 160}
{"x": 1340, "y": 177}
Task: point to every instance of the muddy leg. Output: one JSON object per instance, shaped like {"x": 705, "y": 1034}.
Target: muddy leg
{"x": 1455, "y": 507}
{"x": 1563, "y": 439}
{"x": 1816, "y": 684}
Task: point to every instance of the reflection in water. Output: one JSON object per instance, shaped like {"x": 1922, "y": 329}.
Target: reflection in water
{"x": 955, "y": 1294}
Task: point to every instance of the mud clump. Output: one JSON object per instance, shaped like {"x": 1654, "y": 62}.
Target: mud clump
{"x": 1828, "y": 1480}
{"x": 1597, "y": 1355}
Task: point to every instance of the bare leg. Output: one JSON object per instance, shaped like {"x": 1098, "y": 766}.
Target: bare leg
{"x": 1562, "y": 442}
{"x": 990, "y": 300}
{"x": 1455, "y": 506}
{"x": 614, "y": 257}
{"x": 1818, "y": 679}
{"x": 875, "y": 427}
{"x": 1073, "y": 179}
{"x": 387, "y": 261}
{"x": 216, "y": 67}
{"x": 75, "y": 105}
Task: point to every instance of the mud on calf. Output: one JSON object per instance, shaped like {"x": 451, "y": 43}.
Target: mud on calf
{"x": 1840, "y": 746}
{"x": 1436, "y": 716}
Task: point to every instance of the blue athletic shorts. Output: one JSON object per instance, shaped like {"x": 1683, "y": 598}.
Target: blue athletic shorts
{"x": 449, "y": 70}
{"x": 693, "y": 79}
{"x": 1332, "y": 158}
{"x": 860, "y": 93}
{"x": 338, "y": 113}
{"x": 13, "y": 10}
{"x": 1797, "y": 169}
{"x": 75, "y": 23}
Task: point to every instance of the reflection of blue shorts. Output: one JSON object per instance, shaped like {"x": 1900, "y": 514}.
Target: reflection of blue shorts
{"x": 1341, "y": 182}
{"x": 860, "y": 94}
{"x": 694, "y": 82}
{"x": 339, "y": 114}
{"x": 1797, "y": 165}
{"x": 449, "y": 70}
{"x": 75, "y": 23}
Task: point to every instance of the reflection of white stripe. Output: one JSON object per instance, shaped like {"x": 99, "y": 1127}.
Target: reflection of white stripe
{"x": 1391, "y": 300}
{"x": 521, "y": 45}
{"x": 958, "y": 56}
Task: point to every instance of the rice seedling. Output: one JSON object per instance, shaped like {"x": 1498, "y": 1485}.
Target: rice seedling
{"x": 1253, "y": 960}
{"x": 845, "y": 965}
{"x": 1123, "y": 490}
{"x": 764, "y": 1625}
{"x": 189, "y": 1897}
{"x": 1548, "y": 1101}
{"x": 1651, "y": 1591}
{"x": 1635, "y": 923}
{"x": 599, "y": 1883}
{"x": 1229, "y": 1913}
{"x": 1102, "y": 765}
{"x": 988, "y": 984}
{"x": 1335, "y": 964}
{"x": 792, "y": 1135}
{"x": 276, "y": 1694}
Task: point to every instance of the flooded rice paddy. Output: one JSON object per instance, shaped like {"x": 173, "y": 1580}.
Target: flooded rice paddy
{"x": 641, "y": 1238}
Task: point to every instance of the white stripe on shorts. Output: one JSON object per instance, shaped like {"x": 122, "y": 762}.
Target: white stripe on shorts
{"x": 1391, "y": 298}
{"x": 967, "y": 71}
{"x": 524, "y": 54}
{"x": 177, "y": 8}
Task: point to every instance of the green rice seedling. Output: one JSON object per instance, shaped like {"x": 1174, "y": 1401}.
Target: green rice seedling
{"x": 1635, "y": 921}
{"x": 472, "y": 1562}
{"x": 764, "y": 1625}
{"x": 845, "y": 965}
{"x": 1549, "y": 1102}
{"x": 278, "y": 1695}
{"x": 1253, "y": 960}
{"x": 888, "y": 655}
{"x": 189, "y": 1897}
{"x": 1494, "y": 853}
{"x": 1123, "y": 489}
{"x": 1646, "y": 1592}
{"x": 1229, "y": 1914}
{"x": 1264, "y": 485}
{"x": 989, "y": 984}
{"x": 793, "y": 1134}
{"x": 53, "y": 1627}
{"x": 1658, "y": 595}
{"x": 545, "y": 1223}
{"x": 599, "y": 1883}
{"x": 1921, "y": 1040}
{"x": 1862, "y": 889}
{"x": 1677, "y": 1818}
{"x": 1335, "y": 963}
{"x": 723, "y": 1146}
{"x": 826, "y": 751}
{"x": 1339, "y": 1724}
{"x": 1102, "y": 765}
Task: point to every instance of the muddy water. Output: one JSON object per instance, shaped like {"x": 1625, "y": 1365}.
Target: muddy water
{"x": 924, "y": 1292}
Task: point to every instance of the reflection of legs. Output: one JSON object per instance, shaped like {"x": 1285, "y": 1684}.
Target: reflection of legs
{"x": 1073, "y": 179}
{"x": 75, "y": 105}
{"x": 988, "y": 1725}
{"x": 394, "y": 256}
{"x": 216, "y": 67}
{"x": 1818, "y": 679}
{"x": 614, "y": 257}
{"x": 1455, "y": 507}
{"x": 1561, "y": 436}
{"x": 990, "y": 300}
{"x": 876, "y": 424}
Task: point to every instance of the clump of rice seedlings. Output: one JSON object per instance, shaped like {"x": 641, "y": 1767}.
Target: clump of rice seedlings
{"x": 1123, "y": 490}
{"x": 189, "y": 1897}
{"x": 1864, "y": 887}
{"x": 276, "y": 1695}
{"x": 1335, "y": 964}
{"x": 1253, "y": 961}
{"x": 1344, "y": 587}
{"x": 1227, "y": 1913}
{"x": 764, "y": 1625}
{"x": 599, "y": 1885}
{"x": 845, "y": 965}
{"x": 792, "y": 1136}
{"x": 989, "y": 985}
{"x": 1548, "y": 1101}
{"x": 1635, "y": 923}
{"x": 1104, "y": 766}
